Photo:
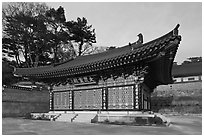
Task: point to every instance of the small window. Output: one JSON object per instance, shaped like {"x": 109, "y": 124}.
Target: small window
{"x": 191, "y": 79}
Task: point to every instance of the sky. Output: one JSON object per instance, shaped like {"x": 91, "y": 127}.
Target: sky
{"x": 118, "y": 23}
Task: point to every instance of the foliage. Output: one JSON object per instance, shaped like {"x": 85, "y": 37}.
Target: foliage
{"x": 35, "y": 35}
{"x": 82, "y": 34}
{"x": 7, "y": 76}
{"x": 59, "y": 35}
{"x": 24, "y": 33}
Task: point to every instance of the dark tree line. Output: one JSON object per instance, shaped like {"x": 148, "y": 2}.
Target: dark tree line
{"x": 36, "y": 35}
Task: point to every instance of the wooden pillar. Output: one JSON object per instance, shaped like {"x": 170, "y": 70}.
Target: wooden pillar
{"x": 51, "y": 98}
{"x": 106, "y": 92}
{"x": 72, "y": 102}
{"x": 136, "y": 96}
{"x": 140, "y": 97}
{"x": 104, "y": 101}
{"x": 105, "y": 98}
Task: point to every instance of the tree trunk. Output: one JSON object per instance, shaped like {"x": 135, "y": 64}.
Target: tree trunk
{"x": 36, "y": 60}
{"x": 18, "y": 58}
{"x": 31, "y": 60}
{"x": 80, "y": 48}
{"x": 17, "y": 62}
{"x": 26, "y": 57}
{"x": 55, "y": 54}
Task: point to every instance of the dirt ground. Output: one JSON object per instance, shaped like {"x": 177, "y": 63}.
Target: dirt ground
{"x": 181, "y": 125}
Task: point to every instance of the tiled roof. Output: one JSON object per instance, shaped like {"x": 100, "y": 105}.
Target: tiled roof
{"x": 105, "y": 60}
{"x": 190, "y": 69}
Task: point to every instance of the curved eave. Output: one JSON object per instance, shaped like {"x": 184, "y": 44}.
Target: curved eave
{"x": 161, "y": 67}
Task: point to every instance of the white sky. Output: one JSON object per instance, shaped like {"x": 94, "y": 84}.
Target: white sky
{"x": 118, "y": 23}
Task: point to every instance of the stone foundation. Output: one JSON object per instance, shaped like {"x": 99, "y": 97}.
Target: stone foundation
{"x": 120, "y": 118}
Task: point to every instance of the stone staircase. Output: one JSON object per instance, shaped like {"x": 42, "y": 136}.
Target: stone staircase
{"x": 66, "y": 117}
{"x": 76, "y": 117}
{"x": 84, "y": 117}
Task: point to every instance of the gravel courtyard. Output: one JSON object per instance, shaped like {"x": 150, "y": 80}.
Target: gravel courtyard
{"x": 181, "y": 125}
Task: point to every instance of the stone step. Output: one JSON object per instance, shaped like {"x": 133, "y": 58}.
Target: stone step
{"x": 84, "y": 117}
{"x": 65, "y": 117}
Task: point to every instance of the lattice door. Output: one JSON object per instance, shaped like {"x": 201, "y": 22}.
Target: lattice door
{"x": 62, "y": 100}
{"x": 88, "y": 99}
{"x": 120, "y": 97}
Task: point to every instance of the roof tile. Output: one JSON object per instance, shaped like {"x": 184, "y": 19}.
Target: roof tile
{"x": 105, "y": 59}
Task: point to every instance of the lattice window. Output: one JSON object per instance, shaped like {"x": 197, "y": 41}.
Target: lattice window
{"x": 88, "y": 99}
{"x": 62, "y": 100}
{"x": 120, "y": 97}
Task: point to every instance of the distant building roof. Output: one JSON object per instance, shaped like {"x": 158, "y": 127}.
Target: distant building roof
{"x": 184, "y": 70}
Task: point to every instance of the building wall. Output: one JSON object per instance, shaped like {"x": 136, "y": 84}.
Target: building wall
{"x": 187, "y": 79}
{"x": 20, "y": 102}
{"x": 112, "y": 94}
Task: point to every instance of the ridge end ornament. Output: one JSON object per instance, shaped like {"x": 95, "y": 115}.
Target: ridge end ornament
{"x": 138, "y": 43}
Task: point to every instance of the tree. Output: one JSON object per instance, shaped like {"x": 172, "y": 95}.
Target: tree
{"x": 15, "y": 8}
{"x": 23, "y": 31}
{"x": 65, "y": 52}
{"x": 7, "y": 72}
{"x": 37, "y": 37}
{"x": 82, "y": 35}
{"x": 59, "y": 34}
{"x": 34, "y": 34}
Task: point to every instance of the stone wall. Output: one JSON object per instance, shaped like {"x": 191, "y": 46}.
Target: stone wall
{"x": 179, "y": 89}
{"x": 178, "y": 98}
{"x": 20, "y": 102}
